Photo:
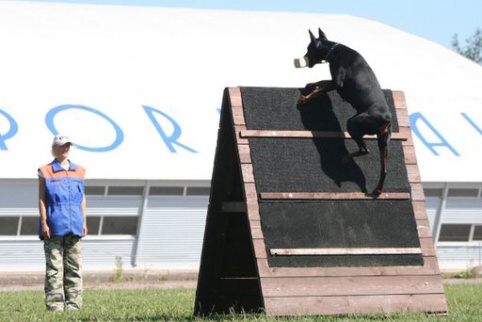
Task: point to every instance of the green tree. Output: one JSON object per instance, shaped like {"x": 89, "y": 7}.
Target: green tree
{"x": 473, "y": 47}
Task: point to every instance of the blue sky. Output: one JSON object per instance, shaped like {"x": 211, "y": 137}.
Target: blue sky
{"x": 437, "y": 20}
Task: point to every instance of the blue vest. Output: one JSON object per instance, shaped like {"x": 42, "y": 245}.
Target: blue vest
{"x": 64, "y": 191}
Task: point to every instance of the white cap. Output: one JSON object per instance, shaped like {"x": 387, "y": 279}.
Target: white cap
{"x": 61, "y": 140}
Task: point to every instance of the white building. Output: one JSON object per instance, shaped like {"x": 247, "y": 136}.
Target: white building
{"x": 138, "y": 89}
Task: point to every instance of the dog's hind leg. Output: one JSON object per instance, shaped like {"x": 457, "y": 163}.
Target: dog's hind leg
{"x": 383, "y": 138}
{"x": 354, "y": 129}
{"x": 383, "y": 172}
{"x": 362, "y": 149}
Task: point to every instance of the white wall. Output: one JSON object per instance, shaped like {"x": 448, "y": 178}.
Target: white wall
{"x": 138, "y": 89}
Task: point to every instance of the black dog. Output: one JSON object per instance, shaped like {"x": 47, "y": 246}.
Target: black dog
{"x": 357, "y": 84}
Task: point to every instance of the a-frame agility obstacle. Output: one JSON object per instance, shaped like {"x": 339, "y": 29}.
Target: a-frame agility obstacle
{"x": 289, "y": 229}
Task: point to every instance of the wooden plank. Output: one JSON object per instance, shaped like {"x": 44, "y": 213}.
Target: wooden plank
{"x": 237, "y": 130}
{"x": 253, "y": 212}
{"x": 259, "y": 249}
{"x": 423, "y": 228}
{"x": 430, "y": 267}
{"x": 235, "y": 96}
{"x": 293, "y": 134}
{"x": 342, "y": 251}
{"x": 256, "y": 231}
{"x": 281, "y": 306}
{"x": 250, "y": 193}
{"x": 409, "y": 155}
{"x": 402, "y": 117}
{"x": 359, "y": 286}
{"x": 332, "y": 195}
{"x": 426, "y": 244}
{"x": 413, "y": 173}
{"x": 255, "y": 223}
{"x": 252, "y": 202}
{"x": 420, "y": 210}
{"x": 409, "y": 140}
{"x": 400, "y": 102}
{"x": 244, "y": 153}
{"x": 237, "y": 105}
{"x": 311, "y": 134}
{"x": 247, "y": 172}
{"x": 417, "y": 191}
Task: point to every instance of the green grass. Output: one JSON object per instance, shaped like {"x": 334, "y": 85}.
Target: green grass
{"x": 177, "y": 305}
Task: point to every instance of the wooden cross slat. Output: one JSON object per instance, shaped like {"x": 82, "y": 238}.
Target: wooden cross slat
{"x": 311, "y": 134}
{"x": 332, "y": 195}
{"x": 343, "y": 251}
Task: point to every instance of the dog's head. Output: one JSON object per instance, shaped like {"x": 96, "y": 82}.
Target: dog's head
{"x": 317, "y": 50}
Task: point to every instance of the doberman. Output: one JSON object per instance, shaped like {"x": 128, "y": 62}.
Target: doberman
{"x": 357, "y": 84}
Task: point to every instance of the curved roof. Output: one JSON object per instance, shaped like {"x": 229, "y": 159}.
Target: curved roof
{"x": 139, "y": 89}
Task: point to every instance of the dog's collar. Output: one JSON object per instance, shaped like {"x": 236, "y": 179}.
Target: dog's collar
{"x": 329, "y": 52}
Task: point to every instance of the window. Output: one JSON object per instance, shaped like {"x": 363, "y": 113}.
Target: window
{"x": 29, "y": 226}
{"x": 112, "y": 225}
{"x": 93, "y": 225}
{"x": 166, "y": 191}
{"x": 477, "y": 233}
{"x": 454, "y": 233}
{"x": 433, "y": 192}
{"x": 125, "y": 191}
{"x": 95, "y": 190}
{"x": 120, "y": 225}
{"x": 8, "y": 226}
{"x": 198, "y": 191}
{"x": 471, "y": 193}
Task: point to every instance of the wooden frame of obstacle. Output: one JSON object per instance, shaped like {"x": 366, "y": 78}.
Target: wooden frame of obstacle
{"x": 235, "y": 275}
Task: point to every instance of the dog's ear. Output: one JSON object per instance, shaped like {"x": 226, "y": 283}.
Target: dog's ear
{"x": 321, "y": 34}
{"x": 312, "y": 37}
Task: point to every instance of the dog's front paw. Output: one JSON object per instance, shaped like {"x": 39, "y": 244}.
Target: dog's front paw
{"x": 302, "y": 100}
{"x": 311, "y": 86}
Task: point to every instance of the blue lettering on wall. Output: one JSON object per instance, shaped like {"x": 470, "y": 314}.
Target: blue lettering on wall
{"x": 170, "y": 141}
{"x": 417, "y": 122}
{"x": 119, "y": 138}
{"x": 430, "y": 145}
{"x": 478, "y": 129}
{"x": 11, "y": 131}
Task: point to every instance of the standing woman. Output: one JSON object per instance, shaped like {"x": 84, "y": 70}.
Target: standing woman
{"x": 62, "y": 224}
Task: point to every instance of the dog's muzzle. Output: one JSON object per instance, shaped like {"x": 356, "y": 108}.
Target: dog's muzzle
{"x": 301, "y": 62}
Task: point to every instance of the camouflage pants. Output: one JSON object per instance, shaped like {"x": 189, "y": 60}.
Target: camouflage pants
{"x": 63, "y": 273}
